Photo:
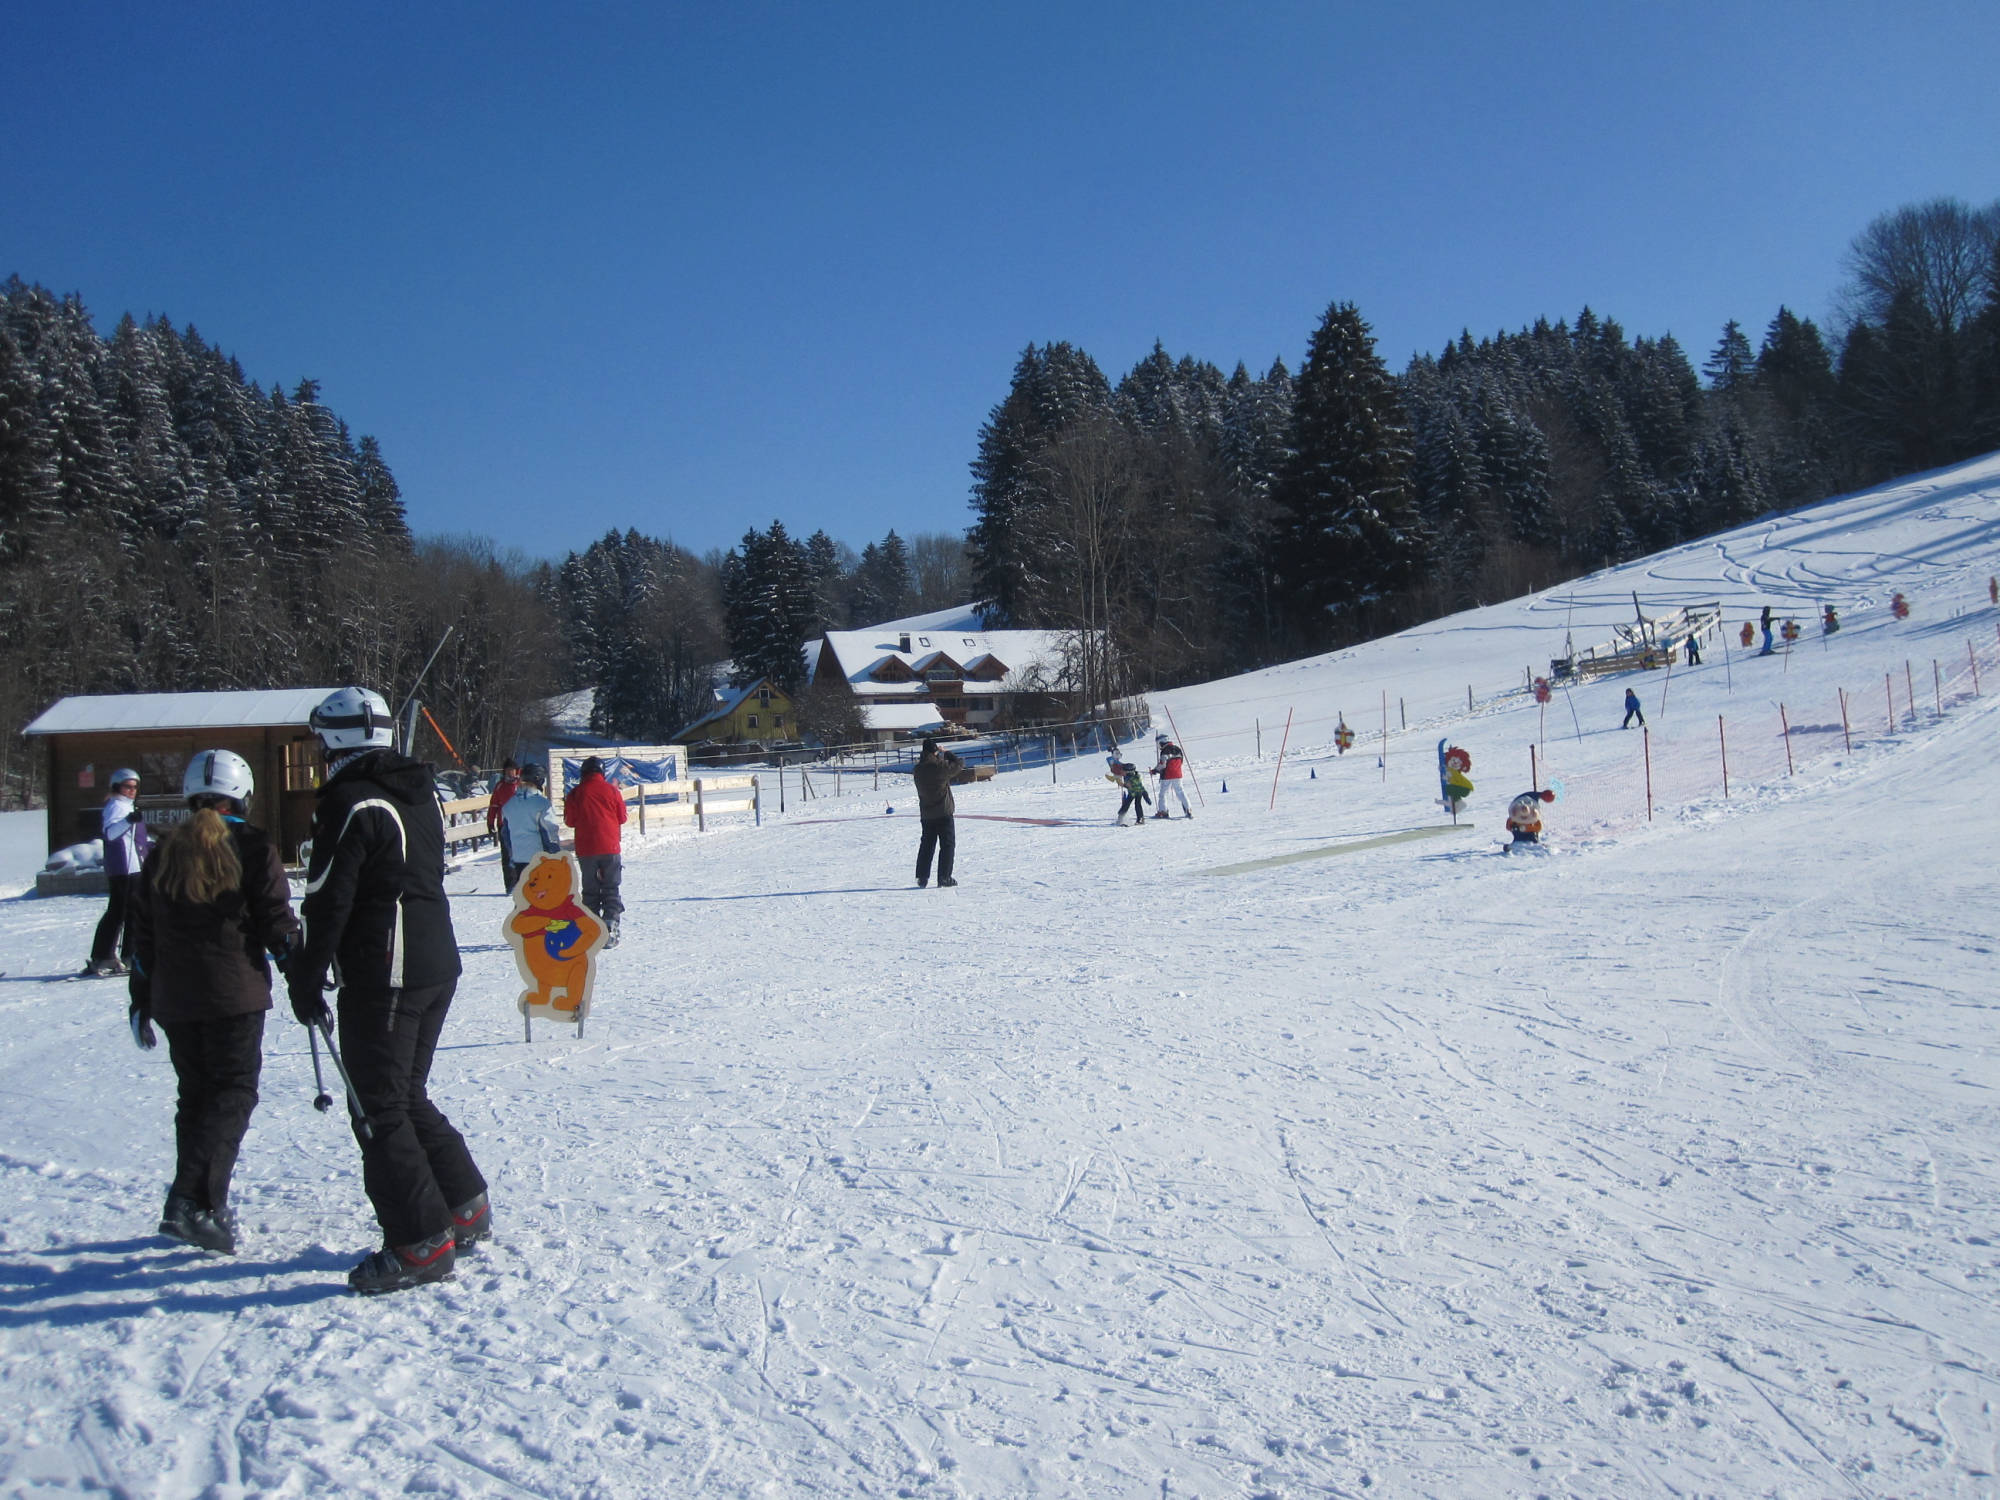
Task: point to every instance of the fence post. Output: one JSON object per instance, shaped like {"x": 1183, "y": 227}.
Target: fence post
{"x": 1788, "y": 738}
{"x": 1722, "y": 738}
{"x": 1646, "y": 739}
{"x": 1847, "y": 738}
{"x": 700, "y": 821}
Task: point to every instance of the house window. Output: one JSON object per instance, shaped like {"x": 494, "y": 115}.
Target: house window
{"x": 777, "y": 721}
{"x": 923, "y": 640}
{"x": 301, "y": 765}
{"x": 750, "y": 721}
{"x": 764, "y": 698}
{"x": 941, "y": 674}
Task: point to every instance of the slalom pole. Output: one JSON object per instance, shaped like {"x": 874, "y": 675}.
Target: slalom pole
{"x": 1184, "y": 756}
{"x": 1281, "y": 760}
{"x": 1534, "y": 775}
{"x": 1937, "y": 686}
{"x": 1846, "y": 735}
{"x": 1384, "y": 758}
{"x": 1646, "y": 739}
{"x": 1910, "y": 691}
{"x": 1889, "y": 690}
{"x": 1975, "y": 666}
{"x": 1787, "y": 723}
{"x": 1722, "y": 738}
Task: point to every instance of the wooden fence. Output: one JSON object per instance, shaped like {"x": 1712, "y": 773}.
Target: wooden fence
{"x": 658, "y": 802}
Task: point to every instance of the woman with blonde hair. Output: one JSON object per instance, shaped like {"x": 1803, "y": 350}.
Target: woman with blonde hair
{"x": 212, "y": 904}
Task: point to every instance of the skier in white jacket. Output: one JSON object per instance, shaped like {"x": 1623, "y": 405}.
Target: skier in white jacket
{"x": 125, "y": 846}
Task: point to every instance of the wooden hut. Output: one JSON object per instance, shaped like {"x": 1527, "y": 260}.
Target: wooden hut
{"x": 156, "y": 734}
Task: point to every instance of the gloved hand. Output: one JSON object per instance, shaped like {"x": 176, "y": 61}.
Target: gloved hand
{"x": 308, "y": 1000}
{"x": 140, "y": 1014}
{"x": 135, "y": 816}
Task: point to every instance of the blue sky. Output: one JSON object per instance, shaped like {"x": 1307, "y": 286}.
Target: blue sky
{"x": 692, "y": 268}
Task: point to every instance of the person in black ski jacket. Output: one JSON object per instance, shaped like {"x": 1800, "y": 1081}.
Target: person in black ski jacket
{"x": 212, "y": 902}
{"x": 377, "y": 919}
{"x": 935, "y": 772}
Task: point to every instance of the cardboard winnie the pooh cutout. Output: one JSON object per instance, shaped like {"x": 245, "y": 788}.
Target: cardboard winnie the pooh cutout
{"x": 555, "y": 942}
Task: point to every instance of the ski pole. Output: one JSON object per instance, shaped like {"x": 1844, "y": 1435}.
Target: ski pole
{"x": 353, "y": 1099}
{"x": 322, "y": 1100}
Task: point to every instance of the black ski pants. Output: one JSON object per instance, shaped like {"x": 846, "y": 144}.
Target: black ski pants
{"x": 601, "y": 876}
{"x": 114, "y": 928}
{"x": 940, "y": 835}
{"x": 414, "y": 1166}
{"x": 217, "y": 1063}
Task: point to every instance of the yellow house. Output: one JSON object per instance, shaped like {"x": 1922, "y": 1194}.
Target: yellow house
{"x": 760, "y": 711}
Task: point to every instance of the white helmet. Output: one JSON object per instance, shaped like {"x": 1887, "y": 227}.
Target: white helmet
{"x": 218, "y": 773}
{"x": 122, "y": 775}
{"x": 353, "y": 718}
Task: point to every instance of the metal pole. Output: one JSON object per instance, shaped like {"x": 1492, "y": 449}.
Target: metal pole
{"x": 700, "y": 819}
{"x": 1782, "y": 719}
{"x": 362, "y": 1122}
{"x": 1846, "y": 737}
{"x": 1722, "y": 738}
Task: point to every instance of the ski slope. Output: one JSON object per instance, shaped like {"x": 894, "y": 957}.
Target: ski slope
{"x": 1666, "y": 1164}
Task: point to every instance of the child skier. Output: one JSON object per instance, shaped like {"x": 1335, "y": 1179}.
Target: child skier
{"x": 1133, "y": 785}
{"x": 1169, "y": 770}
{"x": 1524, "y": 816}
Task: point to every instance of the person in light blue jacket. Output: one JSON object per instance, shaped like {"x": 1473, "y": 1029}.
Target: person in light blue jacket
{"x": 528, "y": 822}
{"x": 125, "y": 846}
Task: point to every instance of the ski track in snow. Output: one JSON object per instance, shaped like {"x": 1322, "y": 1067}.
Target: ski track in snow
{"x": 1666, "y": 1165}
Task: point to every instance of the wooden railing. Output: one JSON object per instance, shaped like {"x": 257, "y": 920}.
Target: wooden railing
{"x": 699, "y": 798}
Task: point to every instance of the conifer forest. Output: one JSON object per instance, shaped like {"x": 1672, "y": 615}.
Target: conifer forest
{"x": 166, "y": 523}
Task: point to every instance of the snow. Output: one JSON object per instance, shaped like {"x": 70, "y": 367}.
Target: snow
{"x": 1668, "y": 1163}
{"x": 101, "y": 713}
{"x": 24, "y": 849}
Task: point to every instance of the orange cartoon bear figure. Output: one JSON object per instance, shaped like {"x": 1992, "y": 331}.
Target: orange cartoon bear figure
{"x": 555, "y": 940}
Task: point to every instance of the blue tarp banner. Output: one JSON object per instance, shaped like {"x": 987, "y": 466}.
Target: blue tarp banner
{"x": 622, "y": 772}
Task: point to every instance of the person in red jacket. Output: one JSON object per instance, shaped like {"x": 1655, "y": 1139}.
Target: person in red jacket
{"x": 509, "y": 783}
{"x": 596, "y": 810}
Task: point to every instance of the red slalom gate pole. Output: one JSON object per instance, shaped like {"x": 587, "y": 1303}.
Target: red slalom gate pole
{"x": 1847, "y": 738}
{"x": 1788, "y": 738}
{"x": 1722, "y": 738}
{"x": 1281, "y": 760}
{"x": 1646, "y": 738}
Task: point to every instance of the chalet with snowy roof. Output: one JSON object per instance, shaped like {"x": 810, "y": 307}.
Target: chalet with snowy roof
{"x": 86, "y": 738}
{"x": 760, "y": 712}
{"x": 913, "y": 675}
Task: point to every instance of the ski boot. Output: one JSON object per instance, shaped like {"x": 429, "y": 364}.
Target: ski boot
{"x": 394, "y": 1267}
{"x": 945, "y": 880}
{"x": 205, "y": 1228}
{"x": 471, "y": 1222}
{"x": 611, "y": 932}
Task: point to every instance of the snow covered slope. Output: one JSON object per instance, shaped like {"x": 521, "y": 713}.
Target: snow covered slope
{"x": 1668, "y": 1163}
